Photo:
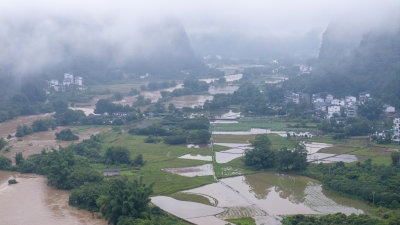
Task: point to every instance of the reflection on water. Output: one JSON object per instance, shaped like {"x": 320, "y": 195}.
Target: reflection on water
{"x": 213, "y": 90}
{"x": 31, "y": 201}
{"x": 276, "y": 194}
{"x": 190, "y": 100}
{"x": 192, "y": 171}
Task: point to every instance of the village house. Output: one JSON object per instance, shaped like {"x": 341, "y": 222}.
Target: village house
{"x": 389, "y": 109}
{"x": 111, "y": 172}
{"x": 332, "y": 110}
{"x": 396, "y": 130}
{"x": 364, "y": 96}
{"x": 68, "y": 83}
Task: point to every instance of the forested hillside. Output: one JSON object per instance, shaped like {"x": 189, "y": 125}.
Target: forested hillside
{"x": 342, "y": 68}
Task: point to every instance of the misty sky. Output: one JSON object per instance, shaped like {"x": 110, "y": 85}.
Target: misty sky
{"x": 280, "y": 18}
{"x": 35, "y": 34}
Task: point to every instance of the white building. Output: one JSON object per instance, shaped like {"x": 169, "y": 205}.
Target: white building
{"x": 350, "y": 99}
{"x": 333, "y": 109}
{"x": 329, "y": 98}
{"x": 396, "y": 130}
{"x": 389, "y": 109}
{"x": 351, "y": 110}
{"x": 364, "y": 97}
{"x": 79, "y": 81}
{"x": 68, "y": 79}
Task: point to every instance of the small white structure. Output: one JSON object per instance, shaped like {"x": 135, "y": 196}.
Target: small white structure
{"x": 396, "y": 130}
{"x": 350, "y": 99}
{"x": 329, "y": 98}
{"x": 351, "y": 110}
{"x": 364, "y": 97}
{"x": 333, "y": 109}
{"x": 335, "y": 101}
{"x": 68, "y": 79}
{"x": 389, "y": 109}
{"x": 79, "y": 81}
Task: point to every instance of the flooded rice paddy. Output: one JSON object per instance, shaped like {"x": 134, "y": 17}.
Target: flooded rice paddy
{"x": 34, "y": 143}
{"x": 253, "y": 131}
{"x": 234, "y": 77}
{"x": 317, "y": 157}
{"x": 31, "y": 201}
{"x": 267, "y": 196}
{"x": 190, "y": 101}
{"x": 213, "y": 90}
{"x": 236, "y": 150}
{"x": 197, "y": 157}
{"x": 10, "y": 126}
{"x": 193, "y": 171}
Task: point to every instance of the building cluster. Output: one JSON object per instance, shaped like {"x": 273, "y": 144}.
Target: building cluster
{"x": 70, "y": 82}
{"x": 396, "y": 130}
{"x": 326, "y": 105}
{"x": 304, "y": 69}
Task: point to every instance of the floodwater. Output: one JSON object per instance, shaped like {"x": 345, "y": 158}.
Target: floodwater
{"x": 347, "y": 158}
{"x": 224, "y": 121}
{"x": 269, "y": 195}
{"x": 236, "y": 150}
{"x": 10, "y": 126}
{"x": 213, "y": 90}
{"x": 190, "y": 100}
{"x": 234, "y": 77}
{"x": 197, "y": 157}
{"x": 31, "y": 201}
{"x": 193, "y": 171}
{"x": 87, "y": 111}
{"x": 250, "y": 132}
{"x": 155, "y": 95}
{"x": 314, "y": 147}
{"x": 209, "y": 80}
{"x": 127, "y": 100}
{"x": 191, "y": 211}
{"x": 34, "y": 143}
{"x": 275, "y": 79}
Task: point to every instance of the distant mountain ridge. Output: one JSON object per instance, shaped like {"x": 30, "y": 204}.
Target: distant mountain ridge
{"x": 347, "y": 67}
{"x": 98, "y": 50}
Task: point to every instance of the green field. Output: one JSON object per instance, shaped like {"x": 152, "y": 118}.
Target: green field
{"x": 246, "y": 124}
{"x": 123, "y": 88}
{"x": 158, "y": 156}
{"x": 243, "y": 221}
{"x": 191, "y": 198}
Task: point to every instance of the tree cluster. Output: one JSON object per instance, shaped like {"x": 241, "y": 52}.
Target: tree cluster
{"x": 376, "y": 184}
{"x": 263, "y": 157}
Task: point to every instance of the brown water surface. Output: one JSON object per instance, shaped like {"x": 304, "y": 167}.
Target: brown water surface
{"x": 32, "y": 202}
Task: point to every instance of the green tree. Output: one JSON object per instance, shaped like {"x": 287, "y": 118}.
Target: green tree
{"x": 5, "y": 163}
{"x": 125, "y": 199}
{"x": 3, "y": 143}
{"x": 81, "y": 175}
{"x": 371, "y": 109}
{"x": 19, "y": 159}
{"x": 261, "y": 156}
{"x": 395, "y": 158}
{"x": 66, "y": 135}
{"x": 117, "y": 155}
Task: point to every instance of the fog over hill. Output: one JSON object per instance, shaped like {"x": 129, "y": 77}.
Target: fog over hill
{"x": 52, "y": 45}
{"x": 102, "y": 40}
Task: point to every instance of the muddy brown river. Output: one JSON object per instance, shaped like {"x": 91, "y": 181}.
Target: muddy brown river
{"x": 32, "y": 202}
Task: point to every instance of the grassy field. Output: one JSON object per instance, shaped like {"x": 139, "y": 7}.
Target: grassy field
{"x": 226, "y": 138}
{"x": 218, "y": 148}
{"x": 158, "y": 156}
{"x": 246, "y": 124}
{"x": 123, "y": 88}
{"x": 191, "y": 198}
{"x": 243, "y": 221}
